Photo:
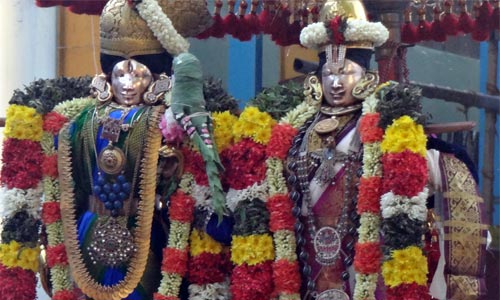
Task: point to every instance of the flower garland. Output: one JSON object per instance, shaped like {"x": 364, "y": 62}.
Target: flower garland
{"x": 21, "y": 176}
{"x": 339, "y": 31}
{"x": 57, "y": 261}
{"x": 175, "y": 254}
{"x": 403, "y": 204}
{"x": 162, "y": 27}
{"x": 368, "y": 256}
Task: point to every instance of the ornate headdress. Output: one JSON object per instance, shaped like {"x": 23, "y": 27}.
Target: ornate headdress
{"x": 343, "y": 25}
{"x": 130, "y": 28}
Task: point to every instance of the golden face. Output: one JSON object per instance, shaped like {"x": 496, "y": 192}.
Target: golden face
{"x": 339, "y": 81}
{"x": 129, "y": 81}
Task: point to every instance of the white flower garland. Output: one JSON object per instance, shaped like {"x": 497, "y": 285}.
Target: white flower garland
{"x": 162, "y": 27}
{"x": 202, "y": 195}
{"x": 414, "y": 207}
{"x": 315, "y": 35}
{"x": 212, "y": 291}
{"x": 16, "y": 200}
{"x": 256, "y": 190}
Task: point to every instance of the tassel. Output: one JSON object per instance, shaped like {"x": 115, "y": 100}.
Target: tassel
{"x": 293, "y": 30}
{"x": 279, "y": 33}
{"x": 217, "y": 30}
{"x": 244, "y": 32}
{"x": 409, "y": 33}
{"x": 437, "y": 30}
{"x": 315, "y": 12}
{"x": 266, "y": 17}
{"x": 305, "y": 16}
{"x": 465, "y": 22}
{"x": 252, "y": 19}
{"x": 495, "y": 16}
{"x": 424, "y": 27}
{"x": 231, "y": 21}
{"x": 48, "y": 3}
{"x": 450, "y": 20}
{"x": 481, "y": 31}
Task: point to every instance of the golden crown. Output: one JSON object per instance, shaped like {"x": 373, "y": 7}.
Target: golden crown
{"x": 125, "y": 33}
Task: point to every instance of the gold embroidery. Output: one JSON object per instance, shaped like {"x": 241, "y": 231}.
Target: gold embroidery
{"x": 463, "y": 287}
{"x": 465, "y": 232}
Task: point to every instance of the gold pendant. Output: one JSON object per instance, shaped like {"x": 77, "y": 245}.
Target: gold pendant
{"x": 111, "y": 160}
{"x": 326, "y": 126}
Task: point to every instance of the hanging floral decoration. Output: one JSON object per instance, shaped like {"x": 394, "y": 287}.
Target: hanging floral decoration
{"x": 368, "y": 255}
{"x": 403, "y": 205}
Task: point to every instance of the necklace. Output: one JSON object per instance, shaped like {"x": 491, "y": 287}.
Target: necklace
{"x": 331, "y": 124}
{"x": 142, "y": 231}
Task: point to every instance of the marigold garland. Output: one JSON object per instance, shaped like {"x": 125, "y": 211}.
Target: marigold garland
{"x": 408, "y": 265}
{"x": 14, "y": 255}
{"x": 223, "y": 129}
{"x": 201, "y": 242}
{"x": 286, "y": 276}
{"x": 252, "y": 250}
{"x": 49, "y": 166}
{"x": 50, "y": 212}
{"x": 368, "y": 258}
{"x": 175, "y": 261}
{"x": 53, "y": 122}
{"x": 369, "y": 195}
{"x": 208, "y": 268}
{"x": 254, "y": 124}
{"x": 280, "y": 208}
{"x": 21, "y": 164}
{"x": 23, "y": 123}
{"x": 252, "y": 282}
{"x": 405, "y": 134}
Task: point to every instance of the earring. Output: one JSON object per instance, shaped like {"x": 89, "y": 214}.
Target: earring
{"x": 101, "y": 89}
{"x": 157, "y": 89}
{"x": 366, "y": 85}
{"x": 313, "y": 90}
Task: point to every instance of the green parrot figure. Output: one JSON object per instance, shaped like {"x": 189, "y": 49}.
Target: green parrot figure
{"x": 188, "y": 108}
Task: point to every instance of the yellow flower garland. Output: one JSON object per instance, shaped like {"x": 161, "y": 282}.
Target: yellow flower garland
{"x": 408, "y": 265}
{"x": 253, "y": 249}
{"x": 404, "y": 134}
{"x": 201, "y": 242}
{"x": 13, "y": 255}
{"x": 223, "y": 126}
{"x": 23, "y": 123}
{"x": 254, "y": 124}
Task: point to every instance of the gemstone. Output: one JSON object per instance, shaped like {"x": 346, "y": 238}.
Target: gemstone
{"x": 116, "y": 187}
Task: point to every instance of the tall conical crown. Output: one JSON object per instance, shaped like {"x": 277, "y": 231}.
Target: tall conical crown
{"x": 124, "y": 32}
{"x": 348, "y": 9}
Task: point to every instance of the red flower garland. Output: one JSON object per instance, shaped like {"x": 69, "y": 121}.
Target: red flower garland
{"x": 21, "y": 164}
{"x": 286, "y": 276}
{"x": 158, "y": 296}
{"x": 281, "y": 140}
{"x": 280, "y": 209}
{"x": 405, "y": 173}
{"x": 196, "y": 166}
{"x": 406, "y": 291}
{"x": 174, "y": 261}
{"x": 244, "y": 163}
{"x": 369, "y": 130}
{"x": 17, "y": 284}
{"x": 53, "y": 122}
{"x": 370, "y": 191}
{"x": 57, "y": 255}
{"x": 65, "y": 295}
{"x": 51, "y": 212}
{"x": 181, "y": 207}
{"x": 252, "y": 282}
{"x": 49, "y": 166}
{"x": 368, "y": 258}
{"x": 207, "y": 268}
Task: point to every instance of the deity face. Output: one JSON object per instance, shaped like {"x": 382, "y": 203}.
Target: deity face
{"x": 338, "y": 82}
{"x": 129, "y": 81}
